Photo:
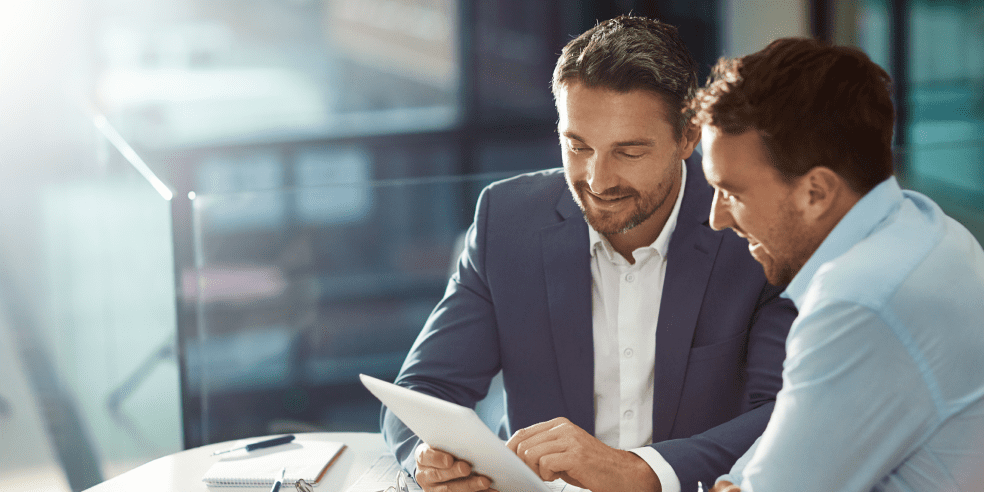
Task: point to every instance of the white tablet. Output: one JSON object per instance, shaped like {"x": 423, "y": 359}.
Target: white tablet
{"x": 459, "y": 431}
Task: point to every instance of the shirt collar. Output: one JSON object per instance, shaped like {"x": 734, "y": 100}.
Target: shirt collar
{"x": 598, "y": 242}
{"x": 857, "y": 224}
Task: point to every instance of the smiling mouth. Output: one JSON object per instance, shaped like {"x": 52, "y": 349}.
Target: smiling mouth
{"x": 754, "y": 246}
{"x": 608, "y": 199}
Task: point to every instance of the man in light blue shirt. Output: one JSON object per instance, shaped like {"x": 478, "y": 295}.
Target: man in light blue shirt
{"x": 883, "y": 383}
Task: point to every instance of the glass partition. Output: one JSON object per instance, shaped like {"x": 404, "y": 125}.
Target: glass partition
{"x": 935, "y": 54}
{"x": 945, "y": 151}
{"x": 187, "y": 73}
{"x": 299, "y": 290}
{"x": 952, "y": 174}
{"x": 88, "y": 329}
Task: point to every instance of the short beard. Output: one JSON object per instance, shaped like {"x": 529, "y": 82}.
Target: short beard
{"x": 782, "y": 275}
{"x": 646, "y": 206}
{"x": 798, "y": 244}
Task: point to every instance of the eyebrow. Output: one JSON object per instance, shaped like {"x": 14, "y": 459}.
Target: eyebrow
{"x": 726, "y": 186}
{"x": 572, "y": 136}
{"x": 647, "y": 142}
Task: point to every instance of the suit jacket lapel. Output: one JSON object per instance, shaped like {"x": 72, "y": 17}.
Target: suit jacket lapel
{"x": 568, "y": 277}
{"x": 689, "y": 260}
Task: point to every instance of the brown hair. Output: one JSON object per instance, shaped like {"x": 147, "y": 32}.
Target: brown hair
{"x": 813, "y": 105}
{"x": 628, "y": 53}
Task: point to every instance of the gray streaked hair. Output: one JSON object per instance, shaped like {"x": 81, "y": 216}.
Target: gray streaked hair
{"x": 628, "y": 53}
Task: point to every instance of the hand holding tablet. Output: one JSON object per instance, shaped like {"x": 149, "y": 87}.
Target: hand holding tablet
{"x": 438, "y": 470}
{"x": 460, "y": 432}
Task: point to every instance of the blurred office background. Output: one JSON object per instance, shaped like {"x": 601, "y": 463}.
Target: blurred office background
{"x": 214, "y": 214}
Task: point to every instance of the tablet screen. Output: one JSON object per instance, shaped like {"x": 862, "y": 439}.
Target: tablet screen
{"x": 459, "y": 431}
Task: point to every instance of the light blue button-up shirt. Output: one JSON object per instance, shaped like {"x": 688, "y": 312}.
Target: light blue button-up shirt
{"x": 883, "y": 383}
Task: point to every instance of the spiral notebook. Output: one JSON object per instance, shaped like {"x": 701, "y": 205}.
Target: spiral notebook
{"x": 308, "y": 460}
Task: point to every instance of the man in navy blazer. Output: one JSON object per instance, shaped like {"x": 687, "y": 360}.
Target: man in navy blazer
{"x": 546, "y": 299}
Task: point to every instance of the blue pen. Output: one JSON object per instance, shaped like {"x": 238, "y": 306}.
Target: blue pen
{"x": 279, "y": 481}
{"x": 260, "y": 445}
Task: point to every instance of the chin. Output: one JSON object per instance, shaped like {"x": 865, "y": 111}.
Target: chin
{"x": 603, "y": 222}
{"x": 780, "y": 276}
{"x": 606, "y": 227}
{"x": 772, "y": 273}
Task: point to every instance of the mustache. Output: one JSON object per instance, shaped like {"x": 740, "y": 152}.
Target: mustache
{"x": 613, "y": 192}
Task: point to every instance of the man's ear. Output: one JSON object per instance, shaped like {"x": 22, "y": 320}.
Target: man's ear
{"x": 689, "y": 140}
{"x": 820, "y": 192}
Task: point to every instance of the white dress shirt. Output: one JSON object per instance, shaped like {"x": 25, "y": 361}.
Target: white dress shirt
{"x": 625, "y": 302}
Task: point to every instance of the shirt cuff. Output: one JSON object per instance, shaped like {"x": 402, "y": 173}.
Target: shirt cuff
{"x": 664, "y": 472}
{"x": 731, "y": 477}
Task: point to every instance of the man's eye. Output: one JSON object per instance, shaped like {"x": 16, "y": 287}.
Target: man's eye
{"x": 632, "y": 155}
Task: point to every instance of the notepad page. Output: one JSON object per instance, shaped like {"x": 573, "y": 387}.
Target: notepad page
{"x": 382, "y": 474}
{"x": 306, "y": 460}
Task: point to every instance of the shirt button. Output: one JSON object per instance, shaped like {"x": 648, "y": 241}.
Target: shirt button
{"x": 630, "y": 277}
{"x": 628, "y": 414}
{"x": 627, "y": 352}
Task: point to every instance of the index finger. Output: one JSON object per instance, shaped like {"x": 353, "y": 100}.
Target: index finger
{"x": 428, "y": 456}
{"x": 528, "y": 432}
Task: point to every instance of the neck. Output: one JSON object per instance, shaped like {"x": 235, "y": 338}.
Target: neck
{"x": 828, "y": 221}
{"x": 845, "y": 201}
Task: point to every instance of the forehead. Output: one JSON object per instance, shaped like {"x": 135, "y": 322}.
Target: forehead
{"x": 734, "y": 162}
{"x": 596, "y": 111}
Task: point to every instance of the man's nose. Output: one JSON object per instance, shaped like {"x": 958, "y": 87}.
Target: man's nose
{"x": 601, "y": 174}
{"x": 720, "y": 213}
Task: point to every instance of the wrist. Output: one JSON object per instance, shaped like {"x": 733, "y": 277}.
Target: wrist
{"x": 638, "y": 475}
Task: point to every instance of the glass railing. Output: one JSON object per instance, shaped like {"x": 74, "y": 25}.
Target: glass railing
{"x": 299, "y": 290}
{"x": 91, "y": 377}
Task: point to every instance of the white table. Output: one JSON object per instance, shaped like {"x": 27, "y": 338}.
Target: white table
{"x": 183, "y": 471}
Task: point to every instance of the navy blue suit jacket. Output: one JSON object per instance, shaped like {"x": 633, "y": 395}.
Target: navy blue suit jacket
{"x": 520, "y": 302}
